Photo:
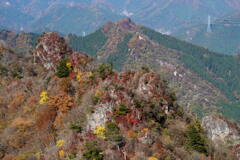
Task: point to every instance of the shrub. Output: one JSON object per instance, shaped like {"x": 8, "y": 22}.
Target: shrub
{"x": 72, "y": 155}
{"x": 113, "y": 133}
{"x": 100, "y": 131}
{"x": 121, "y": 110}
{"x": 112, "y": 128}
{"x": 195, "y": 138}
{"x": 93, "y": 151}
{"x": 69, "y": 65}
{"x": 132, "y": 134}
{"x": 97, "y": 96}
{"x": 152, "y": 158}
{"x": 99, "y": 93}
{"x": 77, "y": 127}
{"x": 61, "y": 154}
{"x": 3, "y": 71}
{"x": 104, "y": 70}
{"x": 60, "y": 143}
{"x": 17, "y": 72}
{"x": 155, "y": 113}
{"x": 138, "y": 103}
{"x": 43, "y": 97}
{"x": 145, "y": 68}
{"x": 95, "y": 99}
{"x": 62, "y": 69}
{"x": 84, "y": 77}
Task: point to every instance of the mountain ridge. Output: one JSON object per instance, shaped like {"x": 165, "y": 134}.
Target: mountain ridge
{"x": 175, "y": 58}
{"x": 75, "y": 109}
{"x": 127, "y": 46}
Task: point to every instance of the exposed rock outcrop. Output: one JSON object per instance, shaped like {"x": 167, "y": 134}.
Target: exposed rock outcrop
{"x": 51, "y": 49}
{"x": 220, "y": 130}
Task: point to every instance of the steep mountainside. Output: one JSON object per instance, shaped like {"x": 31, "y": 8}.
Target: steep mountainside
{"x": 77, "y": 16}
{"x": 61, "y": 106}
{"x": 204, "y": 81}
{"x": 21, "y": 43}
{"x": 223, "y": 38}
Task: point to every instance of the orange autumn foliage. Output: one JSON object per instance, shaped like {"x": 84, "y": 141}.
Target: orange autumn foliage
{"x": 62, "y": 103}
{"x": 52, "y": 115}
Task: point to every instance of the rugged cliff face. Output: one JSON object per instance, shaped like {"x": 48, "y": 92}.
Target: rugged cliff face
{"x": 51, "y": 49}
{"x": 222, "y": 132}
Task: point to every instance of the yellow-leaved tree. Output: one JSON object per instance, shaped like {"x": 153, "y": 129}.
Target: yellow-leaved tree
{"x": 43, "y": 97}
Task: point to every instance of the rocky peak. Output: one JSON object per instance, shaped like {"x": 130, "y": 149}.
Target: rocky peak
{"x": 51, "y": 49}
{"x": 126, "y": 24}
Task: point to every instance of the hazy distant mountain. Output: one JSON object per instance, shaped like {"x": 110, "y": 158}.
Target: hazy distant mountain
{"x": 62, "y": 16}
{"x": 224, "y": 36}
{"x": 80, "y": 16}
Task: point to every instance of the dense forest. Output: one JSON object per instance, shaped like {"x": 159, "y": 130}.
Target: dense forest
{"x": 89, "y": 44}
{"x": 118, "y": 58}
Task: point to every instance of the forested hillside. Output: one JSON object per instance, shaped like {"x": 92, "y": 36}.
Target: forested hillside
{"x": 89, "y": 44}
{"x": 219, "y": 70}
